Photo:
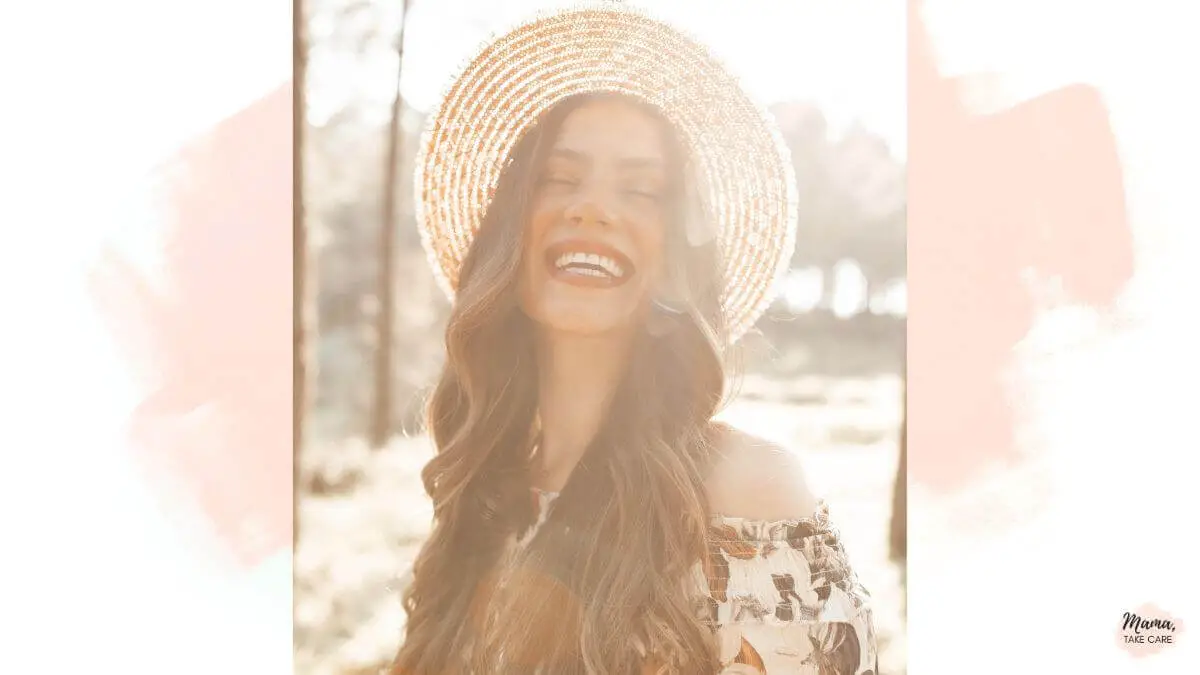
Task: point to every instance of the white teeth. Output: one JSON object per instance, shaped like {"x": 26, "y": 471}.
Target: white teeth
{"x": 607, "y": 264}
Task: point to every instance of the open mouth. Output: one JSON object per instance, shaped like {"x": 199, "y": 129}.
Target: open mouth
{"x": 589, "y": 264}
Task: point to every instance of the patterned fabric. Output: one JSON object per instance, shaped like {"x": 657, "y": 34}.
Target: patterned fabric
{"x": 781, "y": 596}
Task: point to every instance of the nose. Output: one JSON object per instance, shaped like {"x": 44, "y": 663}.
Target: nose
{"x": 589, "y": 210}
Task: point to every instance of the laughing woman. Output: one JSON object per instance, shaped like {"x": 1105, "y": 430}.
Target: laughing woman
{"x": 609, "y": 212}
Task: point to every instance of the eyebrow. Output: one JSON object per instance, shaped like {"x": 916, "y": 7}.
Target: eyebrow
{"x": 625, "y": 162}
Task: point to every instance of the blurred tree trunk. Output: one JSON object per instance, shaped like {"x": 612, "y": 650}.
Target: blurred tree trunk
{"x": 300, "y": 286}
{"x": 899, "y": 526}
{"x": 382, "y": 412}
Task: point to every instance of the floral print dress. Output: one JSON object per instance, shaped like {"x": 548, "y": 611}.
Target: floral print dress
{"x": 782, "y": 595}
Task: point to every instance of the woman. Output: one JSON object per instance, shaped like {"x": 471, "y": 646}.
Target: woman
{"x": 609, "y": 211}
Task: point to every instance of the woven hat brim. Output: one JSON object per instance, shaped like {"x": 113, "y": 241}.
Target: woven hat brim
{"x": 742, "y": 166}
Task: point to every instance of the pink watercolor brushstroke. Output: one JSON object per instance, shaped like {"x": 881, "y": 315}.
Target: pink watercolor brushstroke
{"x": 1038, "y": 187}
{"x": 212, "y": 344}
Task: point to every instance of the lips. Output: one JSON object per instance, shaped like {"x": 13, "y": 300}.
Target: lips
{"x": 588, "y": 264}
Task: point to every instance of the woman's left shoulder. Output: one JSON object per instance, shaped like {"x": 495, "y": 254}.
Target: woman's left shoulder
{"x": 756, "y": 479}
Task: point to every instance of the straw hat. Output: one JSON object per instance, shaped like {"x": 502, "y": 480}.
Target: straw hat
{"x": 738, "y": 161}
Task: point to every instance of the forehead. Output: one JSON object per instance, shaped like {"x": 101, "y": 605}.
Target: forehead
{"x": 612, "y": 126}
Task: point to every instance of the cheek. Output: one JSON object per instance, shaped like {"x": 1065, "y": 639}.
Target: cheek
{"x": 534, "y": 232}
{"x": 653, "y": 249}
{"x": 542, "y": 216}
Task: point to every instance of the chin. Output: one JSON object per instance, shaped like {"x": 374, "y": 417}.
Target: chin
{"x": 580, "y": 317}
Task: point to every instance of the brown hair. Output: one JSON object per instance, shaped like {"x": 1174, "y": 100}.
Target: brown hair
{"x": 612, "y": 563}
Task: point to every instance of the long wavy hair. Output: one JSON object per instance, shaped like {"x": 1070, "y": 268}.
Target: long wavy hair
{"x": 611, "y": 566}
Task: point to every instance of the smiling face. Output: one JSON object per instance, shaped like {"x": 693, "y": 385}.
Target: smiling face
{"x": 595, "y": 237}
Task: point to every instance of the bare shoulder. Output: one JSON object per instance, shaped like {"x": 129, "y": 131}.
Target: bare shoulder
{"x": 756, "y": 479}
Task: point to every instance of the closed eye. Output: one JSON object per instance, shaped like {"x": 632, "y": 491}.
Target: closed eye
{"x": 646, "y": 194}
{"x": 558, "y": 179}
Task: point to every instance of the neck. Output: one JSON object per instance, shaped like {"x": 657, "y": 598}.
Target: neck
{"x": 578, "y": 377}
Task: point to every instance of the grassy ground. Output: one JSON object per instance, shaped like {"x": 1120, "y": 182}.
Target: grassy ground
{"x": 365, "y": 529}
